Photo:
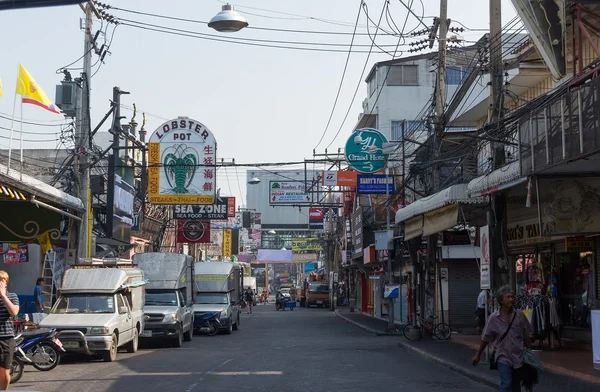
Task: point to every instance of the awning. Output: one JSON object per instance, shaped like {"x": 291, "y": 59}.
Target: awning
{"x": 38, "y": 188}
{"x": 455, "y": 194}
{"x": 503, "y": 178}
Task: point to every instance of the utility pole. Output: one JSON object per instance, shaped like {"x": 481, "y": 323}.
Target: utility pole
{"x": 82, "y": 138}
{"x": 440, "y": 104}
{"x": 388, "y": 227}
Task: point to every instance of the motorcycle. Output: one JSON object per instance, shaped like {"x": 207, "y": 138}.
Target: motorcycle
{"x": 208, "y": 323}
{"x": 40, "y": 348}
{"x": 280, "y": 302}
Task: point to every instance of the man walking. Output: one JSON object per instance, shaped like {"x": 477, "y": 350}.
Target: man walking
{"x": 9, "y": 307}
{"x": 249, "y": 297}
{"x": 508, "y": 330}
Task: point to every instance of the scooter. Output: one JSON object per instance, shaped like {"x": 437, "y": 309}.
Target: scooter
{"x": 40, "y": 348}
{"x": 208, "y": 323}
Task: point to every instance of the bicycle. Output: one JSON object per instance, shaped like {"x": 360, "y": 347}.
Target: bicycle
{"x": 442, "y": 331}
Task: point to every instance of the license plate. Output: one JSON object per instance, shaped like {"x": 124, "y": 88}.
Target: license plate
{"x": 319, "y": 302}
{"x": 58, "y": 342}
{"x": 147, "y": 334}
{"x": 71, "y": 344}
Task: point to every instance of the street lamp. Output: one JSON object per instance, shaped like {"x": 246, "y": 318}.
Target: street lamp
{"x": 254, "y": 181}
{"x": 228, "y": 20}
{"x": 273, "y": 232}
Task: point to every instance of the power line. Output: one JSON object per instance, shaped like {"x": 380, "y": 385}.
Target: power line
{"x": 337, "y": 96}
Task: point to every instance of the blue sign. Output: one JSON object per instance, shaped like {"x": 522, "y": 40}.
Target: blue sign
{"x": 374, "y": 184}
{"x": 364, "y": 150}
{"x": 309, "y": 267}
{"x": 391, "y": 291}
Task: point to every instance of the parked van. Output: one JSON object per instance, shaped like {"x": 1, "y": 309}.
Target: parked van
{"x": 218, "y": 297}
{"x": 100, "y": 308}
{"x": 169, "y": 308}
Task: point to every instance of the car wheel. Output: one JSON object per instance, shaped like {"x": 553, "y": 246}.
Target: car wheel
{"x": 187, "y": 336}
{"x": 179, "y": 338}
{"x": 230, "y": 329}
{"x": 132, "y": 346}
{"x": 110, "y": 355}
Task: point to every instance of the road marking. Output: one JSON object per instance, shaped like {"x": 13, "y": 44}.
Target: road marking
{"x": 264, "y": 373}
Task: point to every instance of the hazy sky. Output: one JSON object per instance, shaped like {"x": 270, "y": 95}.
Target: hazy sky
{"x": 263, "y": 104}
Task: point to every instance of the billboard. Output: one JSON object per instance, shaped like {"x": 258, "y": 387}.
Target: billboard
{"x": 193, "y": 232}
{"x": 316, "y": 216}
{"x": 375, "y": 184}
{"x": 288, "y": 192}
{"x": 181, "y": 163}
{"x": 339, "y": 178}
{"x": 301, "y": 244}
{"x": 120, "y": 200}
{"x": 219, "y": 210}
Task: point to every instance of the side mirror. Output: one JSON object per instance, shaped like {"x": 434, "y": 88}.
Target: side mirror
{"x": 123, "y": 310}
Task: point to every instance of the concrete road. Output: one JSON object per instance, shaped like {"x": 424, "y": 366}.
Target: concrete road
{"x": 300, "y": 350}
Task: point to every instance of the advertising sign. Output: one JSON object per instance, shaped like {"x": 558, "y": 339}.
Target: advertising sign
{"x": 193, "y": 232}
{"x": 339, "y": 178}
{"x": 305, "y": 257}
{"x": 288, "y": 192}
{"x": 316, "y": 216}
{"x": 375, "y": 184}
{"x": 364, "y": 150}
{"x": 218, "y": 211}
{"x": 485, "y": 276}
{"x": 299, "y": 244}
{"x": 227, "y": 242}
{"x": 181, "y": 163}
{"x": 230, "y": 207}
{"x": 120, "y": 200}
{"x": 391, "y": 291}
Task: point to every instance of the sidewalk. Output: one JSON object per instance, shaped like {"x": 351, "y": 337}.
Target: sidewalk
{"x": 567, "y": 374}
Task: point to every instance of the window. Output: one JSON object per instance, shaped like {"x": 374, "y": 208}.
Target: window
{"x": 403, "y": 75}
{"x": 120, "y": 303}
{"x": 372, "y": 83}
{"x": 397, "y": 130}
{"x": 455, "y": 75}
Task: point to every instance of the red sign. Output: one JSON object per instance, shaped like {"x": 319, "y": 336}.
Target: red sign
{"x": 193, "y": 232}
{"x": 316, "y": 213}
{"x": 231, "y": 207}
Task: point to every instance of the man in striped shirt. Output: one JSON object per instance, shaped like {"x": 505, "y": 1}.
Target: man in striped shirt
{"x": 9, "y": 307}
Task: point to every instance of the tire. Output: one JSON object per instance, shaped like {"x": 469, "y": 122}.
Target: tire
{"x": 188, "y": 335}
{"x": 179, "y": 339}
{"x": 236, "y": 326}
{"x": 229, "y": 330}
{"x": 132, "y": 346}
{"x": 110, "y": 355}
{"x": 54, "y": 357}
{"x": 442, "y": 331}
{"x": 406, "y": 331}
{"x": 16, "y": 370}
{"x": 213, "y": 331}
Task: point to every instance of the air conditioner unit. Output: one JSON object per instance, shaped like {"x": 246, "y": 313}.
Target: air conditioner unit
{"x": 66, "y": 97}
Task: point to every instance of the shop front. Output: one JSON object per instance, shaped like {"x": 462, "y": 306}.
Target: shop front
{"x": 554, "y": 259}
{"x": 36, "y": 218}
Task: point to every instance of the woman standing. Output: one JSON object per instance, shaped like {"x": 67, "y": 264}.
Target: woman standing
{"x": 508, "y": 330}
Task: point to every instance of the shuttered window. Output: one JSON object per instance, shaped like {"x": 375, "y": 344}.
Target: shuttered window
{"x": 403, "y": 75}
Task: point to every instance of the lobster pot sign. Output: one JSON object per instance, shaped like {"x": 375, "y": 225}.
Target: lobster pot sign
{"x": 181, "y": 163}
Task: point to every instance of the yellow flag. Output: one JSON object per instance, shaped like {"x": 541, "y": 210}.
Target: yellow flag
{"x": 44, "y": 241}
{"x": 32, "y": 93}
{"x": 0, "y": 87}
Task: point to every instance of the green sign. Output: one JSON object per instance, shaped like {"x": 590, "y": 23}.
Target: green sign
{"x": 364, "y": 150}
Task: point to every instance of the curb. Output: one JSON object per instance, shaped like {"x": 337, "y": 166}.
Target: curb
{"x": 365, "y": 328}
{"x": 472, "y": 374}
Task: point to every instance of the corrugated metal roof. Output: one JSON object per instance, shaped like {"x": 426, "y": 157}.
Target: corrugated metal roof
{"x": 98, "y": 280}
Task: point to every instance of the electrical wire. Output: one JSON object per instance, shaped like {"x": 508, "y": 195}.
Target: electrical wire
{"x": 337, "y": 96}
{"x": 366, "y": 10}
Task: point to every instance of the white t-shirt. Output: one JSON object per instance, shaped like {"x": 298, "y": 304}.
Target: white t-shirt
{"x": 481, "y": 300}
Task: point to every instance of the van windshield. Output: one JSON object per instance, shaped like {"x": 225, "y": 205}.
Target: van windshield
{"x": 84, "y": 303}
{"x": 212, "y": 298}
{"x": 161, "y": 298}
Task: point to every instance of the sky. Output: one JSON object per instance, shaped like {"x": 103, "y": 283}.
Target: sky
{"x": 263, "y": 104}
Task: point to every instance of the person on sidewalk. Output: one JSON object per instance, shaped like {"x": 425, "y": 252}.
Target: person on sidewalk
{"x": 37, "y": 294}
{"x": 508, "y": 330}
{"x": 9, "y": 307}
{"x": 480, "y": 310}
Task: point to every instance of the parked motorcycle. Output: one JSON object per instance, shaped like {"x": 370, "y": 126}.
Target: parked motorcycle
{"x": 16, "y": 369}
{"x": 208, "y": 323}
{"x": 40, "y": 348}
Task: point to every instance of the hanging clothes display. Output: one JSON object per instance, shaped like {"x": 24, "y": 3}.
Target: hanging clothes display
{"x": 542, "y": 313}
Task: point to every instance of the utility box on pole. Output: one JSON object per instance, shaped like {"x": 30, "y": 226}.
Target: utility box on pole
{"x": 66, "y": 98}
